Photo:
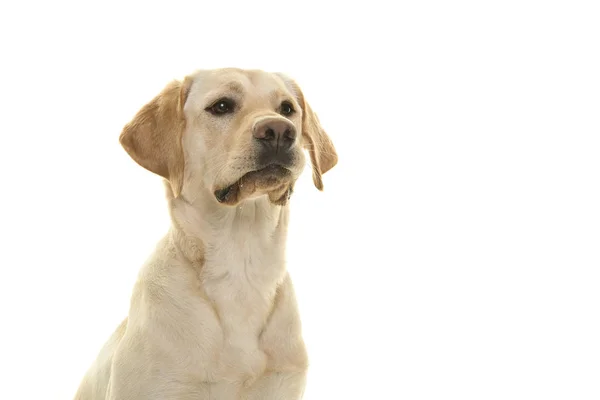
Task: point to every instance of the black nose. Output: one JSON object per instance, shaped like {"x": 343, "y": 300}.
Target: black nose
{"x": 275, "y": 134}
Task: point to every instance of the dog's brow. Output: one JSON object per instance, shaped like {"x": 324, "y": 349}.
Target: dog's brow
{"x": 278, "y": 95}
{"x": 235, "y": 87}
{"x": 226, "y": 89}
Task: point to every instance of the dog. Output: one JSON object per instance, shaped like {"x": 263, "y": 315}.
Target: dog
{"x": 213, "y": 313}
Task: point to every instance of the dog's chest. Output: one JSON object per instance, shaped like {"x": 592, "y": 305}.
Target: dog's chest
{"x": 240, "y": 278}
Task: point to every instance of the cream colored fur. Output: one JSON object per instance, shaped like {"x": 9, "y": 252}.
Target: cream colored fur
{"x": 213, "y": 314}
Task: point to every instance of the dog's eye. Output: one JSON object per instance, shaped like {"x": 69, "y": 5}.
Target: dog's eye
{"x": 221, "y": 106}
{"x": 286, "y": 108}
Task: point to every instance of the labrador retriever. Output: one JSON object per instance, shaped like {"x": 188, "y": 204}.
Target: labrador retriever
{"x": 213, "y": 313}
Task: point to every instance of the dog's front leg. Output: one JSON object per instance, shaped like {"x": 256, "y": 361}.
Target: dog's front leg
{"x": 139, "y": 372}
{"x": 278, "y": 386}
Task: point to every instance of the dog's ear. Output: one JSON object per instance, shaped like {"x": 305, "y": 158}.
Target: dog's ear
{"x": 322, "y": 153}
{"x": 153, "y": 138}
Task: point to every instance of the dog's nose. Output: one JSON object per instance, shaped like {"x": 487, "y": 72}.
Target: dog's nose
{"x": 275, "y": 134}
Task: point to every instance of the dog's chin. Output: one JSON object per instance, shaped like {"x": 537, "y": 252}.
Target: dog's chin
{"x": 274, "y": 180}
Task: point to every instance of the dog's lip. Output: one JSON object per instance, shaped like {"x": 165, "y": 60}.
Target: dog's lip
{"x": 273, "y": 168}
{"x": 221, "y": 194}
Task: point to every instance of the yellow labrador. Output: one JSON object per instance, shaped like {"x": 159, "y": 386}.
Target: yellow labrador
{"x": 213, "y": 314}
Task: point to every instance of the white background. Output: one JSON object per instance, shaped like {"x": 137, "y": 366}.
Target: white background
{"x": 455, "y": 252}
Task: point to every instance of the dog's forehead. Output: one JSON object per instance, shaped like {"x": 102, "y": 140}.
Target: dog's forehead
{"x": 248, "y": 82}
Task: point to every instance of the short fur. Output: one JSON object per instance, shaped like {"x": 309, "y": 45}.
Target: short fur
{"x": 213, "y": 314}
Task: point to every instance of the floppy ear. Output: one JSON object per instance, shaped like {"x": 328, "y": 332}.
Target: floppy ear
{"x": 153, "y": 137}
{"x": 322, "y": 153}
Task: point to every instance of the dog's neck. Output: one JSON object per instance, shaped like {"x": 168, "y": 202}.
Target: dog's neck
{"x": 248, "y": 239}
{"x": 236, "y": 253}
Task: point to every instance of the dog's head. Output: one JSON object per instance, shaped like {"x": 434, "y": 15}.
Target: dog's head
{"x": 238, "y": 133}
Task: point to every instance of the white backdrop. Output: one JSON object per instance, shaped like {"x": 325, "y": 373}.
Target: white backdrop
{"x": 455, "y": 252}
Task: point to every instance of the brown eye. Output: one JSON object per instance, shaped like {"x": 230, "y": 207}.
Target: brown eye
{"x": 286, "y": 108}
{"x": 222, "y": 106}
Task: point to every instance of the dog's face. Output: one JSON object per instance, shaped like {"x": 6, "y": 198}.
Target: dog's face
{"x": 238, "y": 133}
{"x": 243, "y": 128}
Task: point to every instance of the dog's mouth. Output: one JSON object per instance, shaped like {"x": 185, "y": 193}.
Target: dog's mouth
{"x": 274, "y": 179}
